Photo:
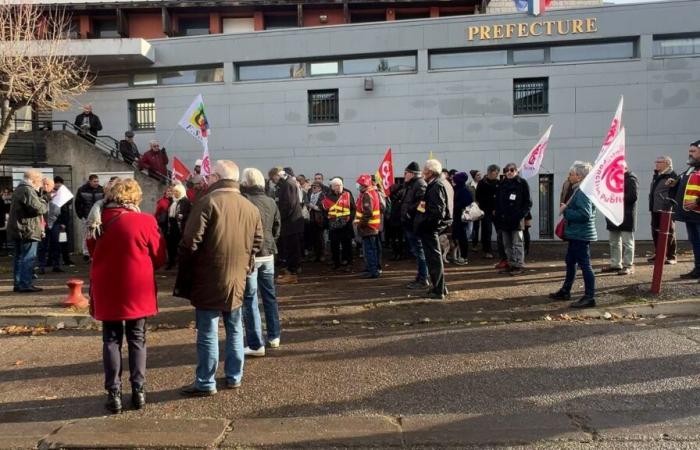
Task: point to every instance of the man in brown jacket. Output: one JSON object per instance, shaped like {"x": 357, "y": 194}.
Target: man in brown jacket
{"x": 219, "y": 243}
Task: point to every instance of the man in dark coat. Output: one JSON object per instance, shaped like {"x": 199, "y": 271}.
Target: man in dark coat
{"x": 292, "y": 224}
{"x": 686, "y": 193}
{"x": 513, "y": 204}
{"x": 85, "y": 197}
{"x": 128, "y": 149}
{"x": 486, "y": 199}
{"x": 414, "y": 191}
{"x": 622, "y": 236}
{"x": 88, "y": 124}
{"x": 432, "y": 218}
{"x": 659, "y": 201}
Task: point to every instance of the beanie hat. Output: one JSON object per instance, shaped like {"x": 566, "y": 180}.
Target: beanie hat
{"x": 413, "y": 167}
{"x": 460, "y": 178}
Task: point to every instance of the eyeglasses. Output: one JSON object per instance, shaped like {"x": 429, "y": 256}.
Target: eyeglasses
{"x": 512, "y": 169}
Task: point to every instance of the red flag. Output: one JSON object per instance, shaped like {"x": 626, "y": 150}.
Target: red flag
{"x": 180, "y": 170}
{"x": 385, "y": 173}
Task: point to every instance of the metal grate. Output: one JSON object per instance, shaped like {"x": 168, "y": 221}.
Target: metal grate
{"x": 546, "y": 211}
{"x": 323, "y": 106}
{"x": 530, "y": 96}
{"x": 142, "y": 114}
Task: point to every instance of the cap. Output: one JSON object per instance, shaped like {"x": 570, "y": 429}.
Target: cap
{"x": 413, "y": 167}
{"x": 364, "y": 180}
{"x": 129, "y": 134}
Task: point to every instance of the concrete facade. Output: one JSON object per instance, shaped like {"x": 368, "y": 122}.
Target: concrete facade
{"x": 464, "y": 116}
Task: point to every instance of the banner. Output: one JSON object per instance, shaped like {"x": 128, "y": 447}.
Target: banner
{"x": 385, "y": 173}
{"x": 206, "y": 162}
{"x": 195, "y": 120}
{"x": 180, "y": 170}
{"x": 532, "y": 162}
{"x": 615, "y": 127}
{"x": 605, "y": 185}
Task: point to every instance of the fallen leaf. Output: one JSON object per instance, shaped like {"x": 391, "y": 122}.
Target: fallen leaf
{"x": 607, "y": 316}
{"x": 483, "y": 323}
{"x": 547, "y": 317}
{"x": 425, "y": 320}
{"x": 661, "y": 316}
{"x": 336, "y": 322}
{"x": 19, "y": 362}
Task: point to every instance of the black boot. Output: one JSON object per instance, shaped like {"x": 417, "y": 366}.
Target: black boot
{"x": 114, "y": 401}
{"x": 584, "y": 302}
{"x": 560, "y": 295}
{"x": 138, "y": 397}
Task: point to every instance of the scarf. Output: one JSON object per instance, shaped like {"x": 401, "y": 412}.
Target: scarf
{"x": 314, "y": 198}
{"x": 94, "y": 219}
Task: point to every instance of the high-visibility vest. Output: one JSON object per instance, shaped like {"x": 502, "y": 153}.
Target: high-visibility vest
{"x": 375, "y": 219}
{"x": 692, "y": 191}
{"x": 340, "y": 208}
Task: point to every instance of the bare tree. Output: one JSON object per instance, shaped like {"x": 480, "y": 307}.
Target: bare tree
{"x": 35, "y": 69}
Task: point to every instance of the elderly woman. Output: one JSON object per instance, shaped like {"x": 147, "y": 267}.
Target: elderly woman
{"x": 123, "y": 288}
{"x": 317, "y": 220}
{"x": 340, "y": 212}
{"x": 579, "y": 230}
{"x": 262, "y": 279}
{"x": 178, "y": 212}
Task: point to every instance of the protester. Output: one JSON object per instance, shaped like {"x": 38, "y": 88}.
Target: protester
{"x": 339, "y": 206}
{"x": 461, "y": 231}
{"x": 476, "y": 176}
{"x": 292, "y": 224}
{"x": 579, "y": 231}
{"x": 684, "y": 190}
{"x": 486, "y": 191}
{"x": 368, "y": 222}
{"x": 87, "y": 195}
{"x": 432, "y": 218}
{"x": 262, "y": 279}
{"x": 24, "y": 229}
{"x": 414, "y": 193}
{"x": 155, "y": 161}
{"x": 512, "y": 206}
{"x": 622, "y": 236}
{"x": 198, "y": 189}
{"x": 88, "y": 124}
{"x": 162, "y": 208}
{"x": 318, "y": 178}
{"x": 394, "y": 230}
{"x": 128, "y": 148}
{"x": 273, "y": 178}
{"x": 659, "y": 201}
{"x": 222, "y": 236}
{"x": 317, "y": 221}
{"x": 50, "y": 248}
{"x": 65, "y": 220}
{"x": 123, "y": 291}
{"x": 177, "y": 214}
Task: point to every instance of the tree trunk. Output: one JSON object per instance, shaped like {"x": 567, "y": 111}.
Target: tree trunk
{"x": 6, "y": 114}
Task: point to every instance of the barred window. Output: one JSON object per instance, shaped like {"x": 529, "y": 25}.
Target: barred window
{"x": 323, "y": 106}
{"x": 142, "y": 114}
{"x": 530, "y": 96}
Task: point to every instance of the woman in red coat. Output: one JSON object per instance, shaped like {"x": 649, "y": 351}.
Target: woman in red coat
{"x": 123, "y": 287}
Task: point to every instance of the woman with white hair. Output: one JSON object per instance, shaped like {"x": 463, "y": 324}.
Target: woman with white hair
{"x": 155, "y": 161}
{"x": 579, "y": 231}
{"x": 178, "y": 212}
{"x": 339, "y": 206}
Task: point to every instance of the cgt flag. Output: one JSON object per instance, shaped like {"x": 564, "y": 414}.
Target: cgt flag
{"x": 605, "y": 185}
{"x": 180, "y": 170}
{"x": 615, "y": 127}
{"x": 532, "y": 162}
{"x": 385, "y": 173}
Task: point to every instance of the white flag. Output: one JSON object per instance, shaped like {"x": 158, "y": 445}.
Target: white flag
{"x": 195, "y": 121}
{"x": 532, "y": 162}
{"x": 605, "y": 185}
{"x": 615, "y": 127}
{"x": 206, "y": 162}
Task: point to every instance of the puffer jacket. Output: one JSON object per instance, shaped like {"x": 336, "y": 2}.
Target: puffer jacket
{"x": 26, "y": 213}
{"x": 580, "y": 218}
{"x": 85, "y": 198}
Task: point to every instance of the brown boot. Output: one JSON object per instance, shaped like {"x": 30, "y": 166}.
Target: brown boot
{"x": 288, "y": 278}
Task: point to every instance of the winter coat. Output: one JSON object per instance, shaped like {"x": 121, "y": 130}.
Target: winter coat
{"x": 125, "y": 256}
{"x": 486, "y": 195}
{"x": 156, "y": 162}
{"x": 677, "y": 192}
{"x": 176, "y": 225}
{"x": 463, "y": 198}
{"x": 513, "y": 204}
{"x": 629, "y": 222}
{"x": 580, "y": 218}
{"x": 223, "y": 234}
{"x": 161, "y": 214}
{"x": 95, "y": 124}
{"x": 414, "y": 191}
{"x": 396, "y": 199}
{"x": 290, "y": 207}
{"x": 85, "y": 198}
{"x": 270, "y": 216}
{"x": 436, "y": 217}
{"x": 25, "y": 221}
{"x": 659, "y": 192}
{"x": 129, "y": 151}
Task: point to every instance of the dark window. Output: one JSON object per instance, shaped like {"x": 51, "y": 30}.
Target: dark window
{"x": 191, "y": 76}
{"x": 593, "y": 52}
{"x": 323, "y": 106}
{"x": 401, "y": 15}
{"x": 676, "y": 46}
{"x": 277, "y": 22}
{"x": 368, "y": 17}
{"x": 142, "y": 114}
{"x": 193, "y": 26}
{"x": 111, "y": 81}
{"x": 105, "y": 28}
{"x": 546, "y": 211}
{"x": 468, "y": 59}
{"x": 530, "y": 96}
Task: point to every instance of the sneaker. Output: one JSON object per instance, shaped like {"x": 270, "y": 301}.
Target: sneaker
{"x": 671, "y": 262}
{"x": 516, "y": 271}
{"x": 193, "y": 391}
{"x": 651, "y": 259}
{"x": 250, "y": 352}
{"x": 488, "y": 255}
{"x": 230, "y": 384}
{"x": 584, "y": 302}
{"x": 418, "y": 284}
{"x": 505, "y": 271}
{"x": 69, "y": 263}
{"x": 626, "y": 271}
{"x": 434, "y": 296}
{"x": 502, "y": 264}
{"x": 610, "y": 269}
{"x": 695, "y": 273}
{"x": 560, "y": 295}
{"x": 274, "y": 343}
{"x": 86, "y": 258}
{"x": 461, "y": 262}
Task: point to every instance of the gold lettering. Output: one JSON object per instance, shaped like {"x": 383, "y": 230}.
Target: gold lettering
{"x": 472, "y": 32}
{"x": 498, "y": 31}
{"x": 549, "y": 25}
{"x": 485, "y": 32}
{"x": 522, "y": 30}
{"x": 510, "y": 30}
{"x": 591, "y": 25}
{"x": 533, "y": 28}
{"x": 578, "y": 26}
{"x": 560, "y": 28}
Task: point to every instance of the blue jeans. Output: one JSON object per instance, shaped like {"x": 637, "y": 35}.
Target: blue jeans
{"x": 208, "y": 347}
{"x": 579, "y": 254}
{"x": 694, "y": 238}
{"x": 417, "y": 249}
{"x": 263, "y": 281}
{"x": 370, "y": 248}
{"x": 25, "y": 255}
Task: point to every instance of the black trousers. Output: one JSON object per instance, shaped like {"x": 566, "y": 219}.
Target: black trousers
{"x": 112, "y": 338}
{"x": 486, "y": 230}
{"x": 292, "y": 251}
{"x": 172, "y": 239}
{"x": 655, "y": 225}
{"x": 433, "y": 257}
{"x": 341, "y": 247}
{"x": 317, "y": 241}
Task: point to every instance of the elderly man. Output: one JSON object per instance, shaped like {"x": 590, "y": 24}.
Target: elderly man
{"x": 87, "y": 195}
{"x": 687, "y": 197}
{"x": 339, "y": 207}
{"x": 513, "y": 204}
{"x": 659, "y": 201}
{"x": 155, "y": 161}
{"x": 128, "y": 148}
{"x": 222, "y": 236}
{"x": 432, "y": 218}
{"x": 414, "y": 193}
{"x": 88, "y": 124}
{"x": 486, "y": 190}
{"x": 24, "y": 228}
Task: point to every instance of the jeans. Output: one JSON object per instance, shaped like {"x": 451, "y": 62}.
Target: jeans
{"x": 579, "y": 254}
{"x": 475, "y": 233}
{"x": 433, "y": 257}
{"x": 207, "y": 323}
{"x": 25, "y": 255}
{"x": 371, "y": 249}
{"x": 262, "y": 280}
{"x": 86, "y": 252}
{"x": 671, "y": 245}
{"x": 416, "y": 247}
{"x": 513, "y": 243}
{"x": 112, "y": 338}
{"x": 621, "y": 249}
{"x": 694, "y": 238}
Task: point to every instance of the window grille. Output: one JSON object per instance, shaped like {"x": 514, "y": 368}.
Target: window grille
{"x": 323, "y": 106}
{"x": 142, "y": 114}
{"x": 530, "y": 96}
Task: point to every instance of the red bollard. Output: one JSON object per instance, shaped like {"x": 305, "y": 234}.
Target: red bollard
{"x": 661, "y": 245}
{"x": 75, "y": 298}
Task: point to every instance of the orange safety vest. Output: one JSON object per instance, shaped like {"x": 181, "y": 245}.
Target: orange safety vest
{"x": 339, "y": 209}
{"x": 375, "y": 220}
{"x": 692, "y": 191}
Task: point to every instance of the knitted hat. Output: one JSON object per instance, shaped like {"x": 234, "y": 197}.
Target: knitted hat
{"x": 413, "y": 167}
{"x": 460, "y": 178}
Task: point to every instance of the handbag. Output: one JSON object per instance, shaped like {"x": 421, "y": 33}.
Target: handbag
{"x": 472, "y": 213}
{"x": 559, "y": 229}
